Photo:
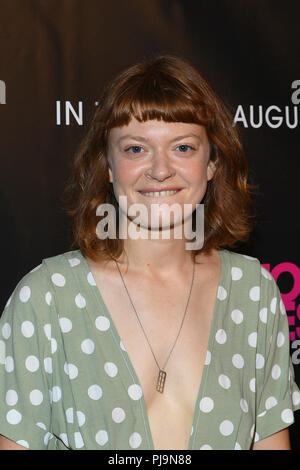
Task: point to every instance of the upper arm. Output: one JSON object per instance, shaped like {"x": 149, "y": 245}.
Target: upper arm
{"x": 7, "y": 444}
{"x": 25, "y": 381}
{"x": 278, "y": 441}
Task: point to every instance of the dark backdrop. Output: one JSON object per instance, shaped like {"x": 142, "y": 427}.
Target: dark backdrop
{"x": 58, "y": 54}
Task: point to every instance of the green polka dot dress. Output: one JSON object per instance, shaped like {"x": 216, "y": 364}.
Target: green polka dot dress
{"x": 67, "y": 382}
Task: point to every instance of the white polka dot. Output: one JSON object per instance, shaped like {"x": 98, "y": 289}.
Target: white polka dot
{"x": 27, "y": 329}
{"x": 23, "y": 443}
{"x": 48, "y": 365}
{"x": 53, "y": 343}
{"x": 273, "y": 305}
{"x": 36, "y": 397}
{"x": 87, "y": 346}
{"x": 226, "y": 427}
{"x": 2, "y": 352}
{"x": 252, "y": 385}
{"x": 238, "y": 361}
{"x": 135, "y": 392}
{"x": 102, "y": 323}
{"x": 118, "y": 415}
{"x": 276, "y": 372}
{"x": 237, "y": 316}
{"x": 222, "y": 293}
{"x": 236, "y": 273}
{"x": 91, "y": 279}
{"x": 252, "y": 339}
{"x": 36, "y": 268}
{"x": 78, "y": 440}
{"x": 74, "y": 262}
{"x": 80, "y": 301}
{"x": 135, "y": 440}
{"x": 270, "y": 402}
{"x": 296, "y": 398}
{"x": 254, "y": 293}
{"x": 244, "y": 405}
{"x": 47, "y": 438}
{"x": 224, "y": 381}
{"x": 9, "y": 364}
{"x": 111, "y": 369}
{"x": 266, "y": 273}
{"x": 122, "y": 346}
{"x": 263, "y": 315}
{"x": 207, "y": 358}
{"x": 65, "y": 324}
{"x": 11, "y": 397}
{"x": 25, "y": 293}
{"x": 206, "y": 447}
{"x": 287, "y": 416}
{"x": 262, "y": 414}
{"x": 280, "y": 339}
{"x": 70, "y": 415}
{"x": 221, "y": 336}
{"x": 206, "y": 405}
{"x": 237, "y": 446}
{"x": 80, "y": 418}
{"x": 6, "y": 330}
{"x": 72, "y": 371}
{"x": 32, "y": 363}
{"x": 58, "y": 279}
{"x": 256, "y": 437}
{"x": 48, "y": 298}
{"x": 42, "y": 426}
{"x": 249, "y": 257}
{"x": 192, "y": 430}
{"x": 47, "y": 331}
{"x": 252, "y": 430}
{"x": 56, "y": 393}
{"x": 282, "y": 307}
{"x": 101, "y": 437}
{"x": 63, "y": 436}
{"x": 13, "y": 417}
{"x": 260, "y": 361}
{"x": 95, "y": 392}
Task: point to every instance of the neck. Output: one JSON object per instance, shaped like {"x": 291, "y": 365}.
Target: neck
{"x": 156, "y": 257}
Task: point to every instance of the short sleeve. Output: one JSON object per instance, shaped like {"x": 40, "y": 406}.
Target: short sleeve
{"x": 278, "y": 395}
{"x": 25, "y": 363}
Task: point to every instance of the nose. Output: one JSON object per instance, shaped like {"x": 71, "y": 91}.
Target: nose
{"x": 160, "y": 168}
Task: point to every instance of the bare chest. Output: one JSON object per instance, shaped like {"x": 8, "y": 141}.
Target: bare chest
{"x": 154, "y": 339}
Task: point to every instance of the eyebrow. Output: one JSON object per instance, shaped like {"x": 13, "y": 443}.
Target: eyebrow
{"x": 138, "y": 137}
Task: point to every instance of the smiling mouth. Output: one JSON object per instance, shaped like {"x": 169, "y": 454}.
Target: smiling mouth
{"x": 159, "y": 193}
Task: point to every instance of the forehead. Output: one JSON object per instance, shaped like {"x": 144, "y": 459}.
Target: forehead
{"x": 152, "y": 129}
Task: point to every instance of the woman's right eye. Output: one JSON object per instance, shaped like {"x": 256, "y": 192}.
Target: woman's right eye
{"x": 134, "y": 149}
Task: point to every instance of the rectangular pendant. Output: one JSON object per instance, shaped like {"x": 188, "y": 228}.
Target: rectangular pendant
{"x": 161, "y": 381}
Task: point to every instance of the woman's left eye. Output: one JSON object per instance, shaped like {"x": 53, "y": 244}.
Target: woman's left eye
{"x": 184, "y": 148}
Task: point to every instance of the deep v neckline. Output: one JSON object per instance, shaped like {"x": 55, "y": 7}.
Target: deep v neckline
{"x": 205, "y": 369}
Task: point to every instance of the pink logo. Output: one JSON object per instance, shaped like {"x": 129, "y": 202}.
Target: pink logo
{"x": 289, "y": 299}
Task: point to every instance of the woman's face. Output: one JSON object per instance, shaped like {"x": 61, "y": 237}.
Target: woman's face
{"x": 149, "y": 158}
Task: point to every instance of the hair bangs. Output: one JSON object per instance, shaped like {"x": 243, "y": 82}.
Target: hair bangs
{"x": 152, "y": 102}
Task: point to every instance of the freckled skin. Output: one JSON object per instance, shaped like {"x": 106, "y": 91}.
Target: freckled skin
{"x": 160, "y": 154}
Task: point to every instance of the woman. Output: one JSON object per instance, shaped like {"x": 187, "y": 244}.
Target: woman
{"x": 135, "y": 340}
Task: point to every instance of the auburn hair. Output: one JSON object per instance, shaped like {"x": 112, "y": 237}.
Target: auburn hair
{"x": 166, "y": 88}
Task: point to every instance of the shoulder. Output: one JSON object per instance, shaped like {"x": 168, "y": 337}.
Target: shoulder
{"x": 36, "y": 286}
{"x": 247, "y": 264}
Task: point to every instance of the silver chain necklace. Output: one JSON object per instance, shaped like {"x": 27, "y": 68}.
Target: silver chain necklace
{"x": 161, "y": 379}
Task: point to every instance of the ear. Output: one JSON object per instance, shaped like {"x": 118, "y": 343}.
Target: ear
{"x": 211, "y": 168}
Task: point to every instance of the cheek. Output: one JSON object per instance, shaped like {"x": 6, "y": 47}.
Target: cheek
{"x": 195, "y": 172}
{"x": 126, "y": 174}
